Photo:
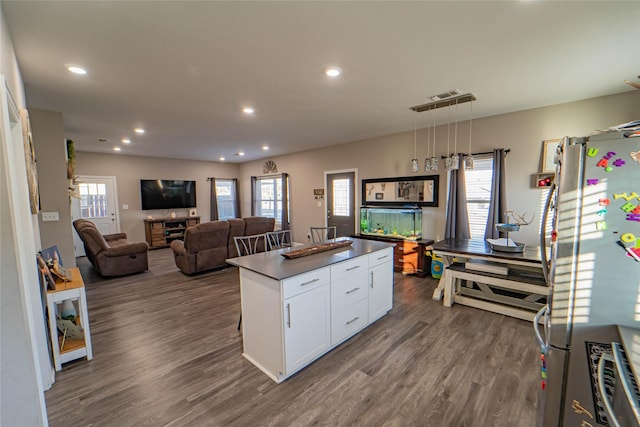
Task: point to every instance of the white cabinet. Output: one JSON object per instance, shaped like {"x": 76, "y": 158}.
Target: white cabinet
{"x": 307, "y": 328}
{"x": 349, "y": 312}
{"x": 380, "y": 283}
{"x": 288, "y": 323}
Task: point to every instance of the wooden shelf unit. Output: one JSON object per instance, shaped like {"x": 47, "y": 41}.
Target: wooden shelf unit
{"x": 161, "y": 232}
{"x": 72, "y": 348}
{"x": 409, "y": 256}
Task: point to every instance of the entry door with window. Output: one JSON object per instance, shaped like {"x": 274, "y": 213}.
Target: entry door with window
{"x": 341, "y": 202}
{"x": 97, "y": 202}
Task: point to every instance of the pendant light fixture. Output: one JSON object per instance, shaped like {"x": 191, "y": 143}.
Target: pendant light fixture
{"x": 468, "y": 161}
{"x": 451, "y": 160}
{"x": 415, "y": 165}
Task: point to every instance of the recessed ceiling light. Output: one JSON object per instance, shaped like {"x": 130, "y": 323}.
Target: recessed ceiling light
{"x": 333, "y": 71}
{"x": 126, "y": 141}
{"x": 265, "y": 147}
{"x": 117, "y": 149}
{"x": 222, "y": 159}
{"x": 76, "y": 70}
{"x": 139, "y": 130}
{"x": 240, "y": 153}
{"x": 248, "y": 110}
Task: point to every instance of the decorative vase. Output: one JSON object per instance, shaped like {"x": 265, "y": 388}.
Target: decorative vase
{"x": 68, "y": 310}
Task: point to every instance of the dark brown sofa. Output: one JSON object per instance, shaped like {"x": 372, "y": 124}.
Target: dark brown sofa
{"x": 207, "y": 245}
{"x": 111, "y": 254}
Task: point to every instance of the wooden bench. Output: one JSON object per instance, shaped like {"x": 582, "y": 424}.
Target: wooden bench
{"x": 520, "y": 293}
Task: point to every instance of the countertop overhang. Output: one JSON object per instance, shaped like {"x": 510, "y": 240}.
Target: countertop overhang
{"x": 272, "y": 264}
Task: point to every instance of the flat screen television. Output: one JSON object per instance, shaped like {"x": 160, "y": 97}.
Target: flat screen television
{"x": 167, "y": 194}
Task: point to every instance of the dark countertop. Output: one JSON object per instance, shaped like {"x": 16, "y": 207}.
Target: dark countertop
{"x": 480, "y": 247}
{"x": 384, "y": 238}
{"x": 272, "y": 264}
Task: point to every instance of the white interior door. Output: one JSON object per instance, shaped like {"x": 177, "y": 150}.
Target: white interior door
{"x": 97, "y": 201}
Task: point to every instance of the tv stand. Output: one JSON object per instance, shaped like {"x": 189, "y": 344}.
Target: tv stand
{"x": 161, "y": 232}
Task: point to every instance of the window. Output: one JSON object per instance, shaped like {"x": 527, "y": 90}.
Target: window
{"x": 478, "y": 186}
{"x": 226, "y": 198}
{"x": 93, "y": 200}
{"x": 270, "y": 199}
{"x": 341, "y": 197}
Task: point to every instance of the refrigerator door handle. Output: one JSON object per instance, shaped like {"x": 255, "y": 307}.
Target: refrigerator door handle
{"x": 611, "y": 417}
{"x": 543, "y": 242}
{"x": 536, "y": 327}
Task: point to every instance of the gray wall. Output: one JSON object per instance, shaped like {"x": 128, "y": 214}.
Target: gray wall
{"x": 385, "y": 156}
{"x": 129, "y": 170}
{"x": 48, "y": 139}
{"x": 388, "y": 156}
{"x": 25, "y": 370}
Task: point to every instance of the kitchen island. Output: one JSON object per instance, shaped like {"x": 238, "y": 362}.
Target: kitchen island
{"x": 296, "y": 310}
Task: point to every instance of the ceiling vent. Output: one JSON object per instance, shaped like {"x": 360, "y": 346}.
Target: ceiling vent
{"x": 453, "y": 92}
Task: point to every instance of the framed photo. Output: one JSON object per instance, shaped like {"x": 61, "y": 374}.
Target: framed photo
{"x": 30, "y": 159}
{"x": 379, "y": 196}
{"x": 51, "y": 254}
{"x": 193, "y": 212}
{"x": 549, "y": 148}
{"x": 44, "y": 270}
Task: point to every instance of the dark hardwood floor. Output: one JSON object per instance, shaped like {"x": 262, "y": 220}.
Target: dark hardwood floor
{"x": 167, "y": 353}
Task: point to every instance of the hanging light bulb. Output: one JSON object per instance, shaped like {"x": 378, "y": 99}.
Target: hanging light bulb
{"x": 468, "y": 161}
{"x": 447, "y": 160}
{"x": 415, "y": 165}
{"x": 455, "y": 158}
{"x": 427, "y": 160}
{"x": 434, "y": 159}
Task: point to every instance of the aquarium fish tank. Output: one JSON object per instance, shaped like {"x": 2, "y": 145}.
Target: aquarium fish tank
{"x": 398, "y": 223}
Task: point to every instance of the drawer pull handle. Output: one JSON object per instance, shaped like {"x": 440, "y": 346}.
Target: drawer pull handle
{"x": 289, "y": 315}
{"x": 352, "y": 320}
{"x": 353, "y": 268}
{"x": 309, "y": 282}
{"x": 383, "y": 257}
{"x": 401, "y": 249}
{"x": 352, "y": 291}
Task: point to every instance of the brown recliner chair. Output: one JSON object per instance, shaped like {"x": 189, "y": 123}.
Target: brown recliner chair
{"x": 111, "y": 254}
{"x": 204, "y": 247}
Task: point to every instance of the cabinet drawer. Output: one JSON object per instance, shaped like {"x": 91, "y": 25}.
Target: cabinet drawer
{"x": 349, "y": 267}
{"x": 304, "y": 282}
{"x": 349, "y": 290}
{"x": 406, "y": 247}
{"x": 380, "y": 257}
{"x": 157, "y": 225}
{"x": 349, "y": 320}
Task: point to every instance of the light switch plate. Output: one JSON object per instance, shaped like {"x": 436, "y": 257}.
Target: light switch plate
{"x": 50, "y": 216}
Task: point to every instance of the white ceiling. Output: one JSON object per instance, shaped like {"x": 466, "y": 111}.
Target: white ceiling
{"x": 183, "y": 70}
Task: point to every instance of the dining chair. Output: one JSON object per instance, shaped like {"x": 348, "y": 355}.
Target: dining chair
{"x": 249, "y": 245}
{"x": 278, "y": 239}
{"x": 321, "y": 234}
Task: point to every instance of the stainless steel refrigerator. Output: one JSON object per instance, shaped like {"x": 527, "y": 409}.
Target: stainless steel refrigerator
{"x": 593, "y": 275}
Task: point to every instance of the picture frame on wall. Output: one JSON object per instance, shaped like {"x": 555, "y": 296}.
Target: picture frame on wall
{"x": 549, "y": 150}
{"x": 30, "y": 161}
